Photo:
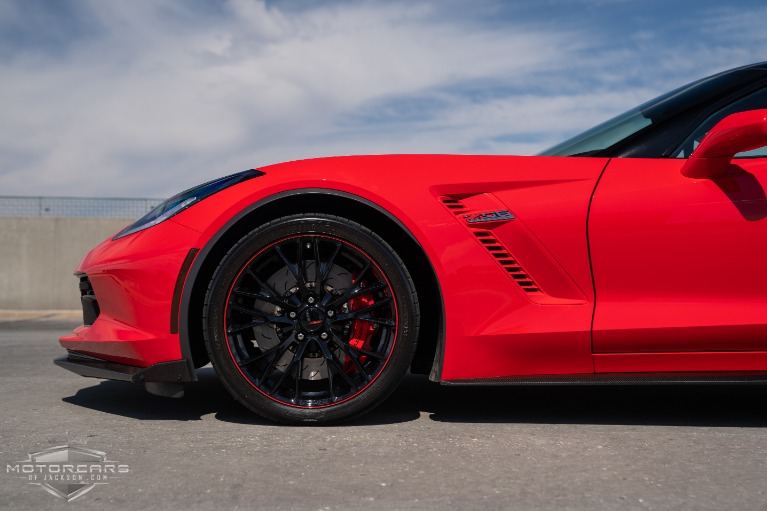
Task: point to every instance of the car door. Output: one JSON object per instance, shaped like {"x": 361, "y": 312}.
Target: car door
{"x": 680, "y": 264}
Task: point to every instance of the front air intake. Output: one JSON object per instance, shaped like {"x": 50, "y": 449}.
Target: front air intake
{"x": 88, "y": 301}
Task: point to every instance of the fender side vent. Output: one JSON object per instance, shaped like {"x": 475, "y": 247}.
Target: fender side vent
{"x": 454, "y": 205}
{"x": 507, "y": 261}
{"x": 493, "y": 245}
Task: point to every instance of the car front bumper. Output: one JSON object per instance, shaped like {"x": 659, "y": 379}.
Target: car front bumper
{"x": 130, "y": 317}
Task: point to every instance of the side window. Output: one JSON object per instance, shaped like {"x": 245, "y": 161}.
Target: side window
{"x": 755, "y": 101}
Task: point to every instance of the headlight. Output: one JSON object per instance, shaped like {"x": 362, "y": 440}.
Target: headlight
{"x": 183, "y": 200}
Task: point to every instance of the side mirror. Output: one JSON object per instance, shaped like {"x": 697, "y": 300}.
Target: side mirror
{"x": 734, "y": 134}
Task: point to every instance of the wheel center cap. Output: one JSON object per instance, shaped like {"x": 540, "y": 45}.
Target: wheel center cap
{"x": 312, "y": 320}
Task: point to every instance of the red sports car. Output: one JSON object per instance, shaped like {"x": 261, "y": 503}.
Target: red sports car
{"x": 633, "y": 253}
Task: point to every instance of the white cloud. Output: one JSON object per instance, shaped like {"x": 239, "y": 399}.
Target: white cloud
{"x": 153, "y": 97}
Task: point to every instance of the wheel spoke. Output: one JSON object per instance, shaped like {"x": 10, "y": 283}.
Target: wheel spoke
{"x": 294, "y": 268}
{"x": 268, "y": 291}
{"x": 317, "y": 265}
{"x": 339, "y": 339}
{"x": 281, "y": 380}
{"x": 286, "y": 261}
{"x": 366, "y": 352}
{"x": 377, "y": 321}
{"x": 273, "y": 362}
{"x": 301, "y": 267}
{"x": 353, "y": 292}
{"x": 369, "y": 289}
{"x": 329, "y": 264}
{"x": 298, "y": 357}
{"x": 331, "y": 360}
{"x": 264, "y": 297}
{"x": 297, "y": 391}
{"x": 242, "y": 328}
{"x": 331, "y": 392}
{"x": 363, "y": 314}
{"x": 282, "y": 346}
{"x": 354, "y": 359}
{"x": 266, "y": 318}
{"x": 350, "y": 293}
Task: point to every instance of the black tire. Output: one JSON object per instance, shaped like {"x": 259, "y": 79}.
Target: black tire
{"x": 301, "y": 342}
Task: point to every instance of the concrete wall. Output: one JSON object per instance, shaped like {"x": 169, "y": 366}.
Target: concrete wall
{"x": 38, "y": 257}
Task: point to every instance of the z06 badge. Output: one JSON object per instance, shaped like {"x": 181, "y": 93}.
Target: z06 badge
{"x": 490, "y": 216}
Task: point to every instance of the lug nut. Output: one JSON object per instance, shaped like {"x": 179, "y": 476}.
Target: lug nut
{"x": 292, "y": 315}
{"x": 310, "y": 299}
{"x": 300, "y": 337}
{"x": 324, "y": 335}
{"x": 331, "y": 313}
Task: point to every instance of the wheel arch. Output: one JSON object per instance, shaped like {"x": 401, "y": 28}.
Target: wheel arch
{"x": 428, "y": 356}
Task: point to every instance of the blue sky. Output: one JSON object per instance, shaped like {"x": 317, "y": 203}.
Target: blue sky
{"x": 145, "y": 98}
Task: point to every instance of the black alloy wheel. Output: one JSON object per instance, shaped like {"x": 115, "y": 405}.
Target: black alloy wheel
{"x": 311, "y": 318}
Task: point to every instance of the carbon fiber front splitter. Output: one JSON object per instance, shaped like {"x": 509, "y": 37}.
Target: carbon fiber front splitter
{"x": 176, "y": 371}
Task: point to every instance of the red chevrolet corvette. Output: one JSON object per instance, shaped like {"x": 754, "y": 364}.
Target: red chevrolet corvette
{"x": 635, "y": 252}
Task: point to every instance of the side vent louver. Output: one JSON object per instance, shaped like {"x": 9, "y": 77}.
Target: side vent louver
{"x": 454, "y": 205}
{"x": 497, "y": 250}
{"x": 494, "y": 246}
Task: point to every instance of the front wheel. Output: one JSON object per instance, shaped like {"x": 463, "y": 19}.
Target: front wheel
{"x": 311, "y": 318}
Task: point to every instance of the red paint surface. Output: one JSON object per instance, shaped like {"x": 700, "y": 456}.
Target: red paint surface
{"x": 133, "y": 279}
{"x": 678, "y": 262}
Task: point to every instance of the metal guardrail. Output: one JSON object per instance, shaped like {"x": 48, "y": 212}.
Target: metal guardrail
{"x": 75, "y": 207}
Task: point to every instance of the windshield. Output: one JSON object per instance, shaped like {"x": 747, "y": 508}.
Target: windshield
{"x": 628, "y": 124}
{"x": 601, "y": 136}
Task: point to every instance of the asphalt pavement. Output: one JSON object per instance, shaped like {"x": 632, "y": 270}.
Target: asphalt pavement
{"x": 427, "y": 447}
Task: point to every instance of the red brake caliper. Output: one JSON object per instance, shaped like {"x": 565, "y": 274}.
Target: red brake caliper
{"x": 361, "y": 332}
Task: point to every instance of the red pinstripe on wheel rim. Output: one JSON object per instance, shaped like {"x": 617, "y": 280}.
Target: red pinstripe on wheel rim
{"x": 310, "y": 321}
